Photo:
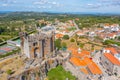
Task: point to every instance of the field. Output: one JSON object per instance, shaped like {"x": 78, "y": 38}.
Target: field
{"x": 83, "y": 43}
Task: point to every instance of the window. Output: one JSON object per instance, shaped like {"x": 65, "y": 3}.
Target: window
{"x": 106, "y": 62}
{"x": 35, "y": 43}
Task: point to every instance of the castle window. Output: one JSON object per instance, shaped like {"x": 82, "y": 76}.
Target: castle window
{"x": 34, "y": 44}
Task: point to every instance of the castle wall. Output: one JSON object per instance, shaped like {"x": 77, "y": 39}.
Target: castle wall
{"x": 26, "y": 48}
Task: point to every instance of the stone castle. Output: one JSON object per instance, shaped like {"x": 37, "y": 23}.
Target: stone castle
{"x": 39, "y": 45}
{"x": 40, "y": 52}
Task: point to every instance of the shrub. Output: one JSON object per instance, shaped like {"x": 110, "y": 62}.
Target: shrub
{"x": 72, "y": 40}
{"x": 9, "y": 71}
{"x": 66, "y": 37}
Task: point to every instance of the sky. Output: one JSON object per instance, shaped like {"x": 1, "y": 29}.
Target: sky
{"x": 98, "y": 6}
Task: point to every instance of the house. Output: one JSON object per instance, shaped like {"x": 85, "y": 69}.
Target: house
{"x": 65, "y": 32}
{"x": 107, "y": 36}
{"x": 114, "y": 27}
{"x": 99, "y": 30}
{"x": 112, "y": 35}
{"x": 58, "y": 36}
{"x": 106, "y": 26}
{"x": 111, "y": 28}
{"x": 92, "y": 34}
{"x": 80, "y": 33}
{"x": 110, "y": 60}
{"x": 81, "y": 60}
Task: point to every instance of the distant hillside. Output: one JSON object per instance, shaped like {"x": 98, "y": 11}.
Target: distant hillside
{"x": 25, "y": 15}
{"x": 8, "y": 16}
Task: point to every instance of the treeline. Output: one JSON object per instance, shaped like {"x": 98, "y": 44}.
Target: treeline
{"x": 95, "y": 21}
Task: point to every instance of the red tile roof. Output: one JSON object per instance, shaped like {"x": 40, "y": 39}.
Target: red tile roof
{"x": 107, "y": 24}
{"x": 81, "y": 59}
{"x": 84, "y": 70}
{"x": 112, "y": 34}
{"x": 83, "y": 53}
{"x": 94, "y": 68}
{"x": 77, "y": 61}
{"x": 113, "y": 50}
{"x": 112, "y": 59}
{"x": 59, "y": 35}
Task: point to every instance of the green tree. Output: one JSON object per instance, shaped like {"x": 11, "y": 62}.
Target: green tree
{"x": 65, "y": 37}
{"x": 72, "y": 40}
{"x": 81, "y": 45}
{"x": 9, "y": 72}
{"x": 119, "y": 38}
{"x": 58, "y": 43}
{"x": 37, "y": 24}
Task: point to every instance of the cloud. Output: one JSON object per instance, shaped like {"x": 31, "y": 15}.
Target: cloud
{"x": 4, "y": 5}
{"x": 54, "y": 3}
{"x": 8, "y": 1}
{"x": 92, "y": 6}
{"x": 40, "y": 2}
{"x": 46, "y": 2}
{"x": 108, "y": 3}
{"x": 102, "y": 4}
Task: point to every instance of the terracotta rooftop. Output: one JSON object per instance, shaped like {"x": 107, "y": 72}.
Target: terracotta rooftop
{"x": 112, "y": 59}
{"x": 77, "y": 61}
{"x": 59, "y": 35}
{"x": 107, "y": 24}
{"x": 75, "y": 53}
{"x": 88, "y": 60}
{"x": 81, "y": 59}
{"x": 112, "y": 34}
{"x": 112, "y": 49}
{"x": 114, "y": 25}
{"x": 94, "y": 68}
{"x": 80, "y": 33}
{"x": 84, "y": 70}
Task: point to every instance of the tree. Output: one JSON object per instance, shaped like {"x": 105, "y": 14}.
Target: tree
{"x": 119, "y": 38}
{"x": 9, "y": 72}
{"x": 81, "y": 45}
{"x": 58, "y": 43}
{"x": 66, "y": 37}
{"x": 37, "y": 24}
{"x": 72, "y": 40}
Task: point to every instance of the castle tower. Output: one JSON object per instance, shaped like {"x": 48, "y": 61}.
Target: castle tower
{"x": 39, "y": 45}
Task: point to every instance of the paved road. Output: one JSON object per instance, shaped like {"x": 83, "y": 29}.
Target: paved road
{"x": 72, "y": 33}
{"x": 76, "y": 25}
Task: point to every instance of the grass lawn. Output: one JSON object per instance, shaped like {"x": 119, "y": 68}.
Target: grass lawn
{"x": 59, "y": 73}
